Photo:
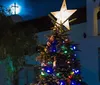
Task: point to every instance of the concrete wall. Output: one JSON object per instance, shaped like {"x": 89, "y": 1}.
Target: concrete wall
{"x": 89, "y": 60}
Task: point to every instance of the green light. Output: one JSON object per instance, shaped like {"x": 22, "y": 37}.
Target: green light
{"x": 50, "y": 62}
{"x": 58, "y": 74}
{"x": 71, "y": 48}
{"x": 65, "y": 52}
{"x": 63, "y": 47}
{"x": 72, "y": 73}
{"x": 42, "y": 73}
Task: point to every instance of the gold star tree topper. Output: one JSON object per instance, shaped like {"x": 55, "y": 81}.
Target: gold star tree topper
{"x": 63, "y": 15}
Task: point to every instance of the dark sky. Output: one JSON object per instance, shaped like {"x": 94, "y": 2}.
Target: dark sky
{"x": 36, "y": 8}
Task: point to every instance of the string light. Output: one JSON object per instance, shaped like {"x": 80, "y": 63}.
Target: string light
{"x": 42, "y": 69}
{"x": 70, "y": 76}
{"x": 73, "y": 82}
{"x": 49, "y": 62}
{"x": 65, "y": 52}
{"x": 76, "y": 71}
{"x": 73, "y": 47}
{"x": 49, "y": 70}
{"x": 58, "y": 75}
{"x": 62, "y": 82}
{"x": 68, "y": 62}
{"x": 42, "y": 73}
{"x": 74, "y": 54}
{"x": 72, "y": 73}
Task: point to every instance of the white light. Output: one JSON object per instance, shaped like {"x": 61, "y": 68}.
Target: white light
{"x": 74, "y": 47}
{"x": 80, "y": 80}
{"x": 48, "y": 71}
{"x": 15, "y": 10}
{"x": 42, "y": 69}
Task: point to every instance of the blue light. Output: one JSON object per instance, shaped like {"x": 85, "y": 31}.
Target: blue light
{"x": 73, "y": 69}
{"x": 73, "y": 82}
{"x": 53, "y": 49}
{"x": 76, "y": 71}
{"x": 62, "y": 82}
{"x": 75, "y": 55}
{"x": 73, "y": 47}
{"x": 49, "y": 70}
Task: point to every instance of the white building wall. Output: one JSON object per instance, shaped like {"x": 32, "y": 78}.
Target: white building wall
{"x": 89, "y": 60}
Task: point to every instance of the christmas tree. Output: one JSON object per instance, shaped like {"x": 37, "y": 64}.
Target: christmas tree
{"x": 59, "y": 63}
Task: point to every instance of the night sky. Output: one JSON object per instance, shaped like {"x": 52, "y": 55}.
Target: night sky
{"x": 37, "y": 8}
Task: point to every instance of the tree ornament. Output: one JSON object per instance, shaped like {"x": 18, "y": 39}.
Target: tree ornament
{"x": 54, "y": 64}
{"x": 55, "y": 61}
{"x": 46, "y": 50}
{"x": 70, "y": 76}
{"x": 68, "y": 62}
{"x": 49, "y": 63}
{"x": 63, "y": 15}
{"x": 38, "y": 58}
{"x": 51, "y": 39}
{"x": 48, "y": 44}
{"x": 66, "y": 40}
{"x": 43, "y": 64}
{"x": 72, "y": 73}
